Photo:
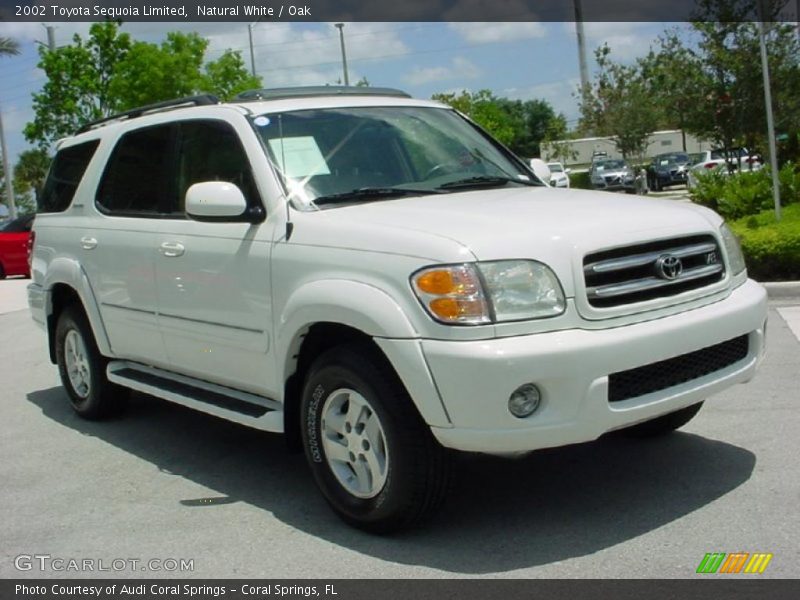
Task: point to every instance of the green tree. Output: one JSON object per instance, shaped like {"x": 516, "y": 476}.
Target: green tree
{"x": 78, "y": 87}
{"x": 23, "y": 199}
{"x": 619, "y": 104}
{"x": 109, "y": 72}
{"x": 712, "y": 85}
{"x": 151, "y": 73}
{"x": 31, "y": 171}
{"x": 532, "y": 120}
{"x": 228, "y": 76}
{"x": 556, "y": 141}
{"x": 483, "y": 108}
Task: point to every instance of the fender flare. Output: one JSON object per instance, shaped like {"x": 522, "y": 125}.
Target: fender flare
{"x": 69, "y": 272}
{"x": 360, "y": 306}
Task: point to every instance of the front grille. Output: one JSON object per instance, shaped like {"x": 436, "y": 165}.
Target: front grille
{"x": 674, "y": 371}
{"x": 652, "y": 270}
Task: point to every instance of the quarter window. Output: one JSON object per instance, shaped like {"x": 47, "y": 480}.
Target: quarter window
{"x": 65, "y": 174}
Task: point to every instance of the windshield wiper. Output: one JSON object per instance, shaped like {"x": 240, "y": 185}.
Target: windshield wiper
{"x": 375, "y": 193}
{"x": 485, "y": 181}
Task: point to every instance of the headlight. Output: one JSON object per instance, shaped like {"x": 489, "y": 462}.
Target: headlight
{"x": 489, "y": 292}
{"x": 732, "y": 249}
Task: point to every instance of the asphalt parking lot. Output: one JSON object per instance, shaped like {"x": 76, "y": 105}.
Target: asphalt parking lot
{"x": 163, "y": 483}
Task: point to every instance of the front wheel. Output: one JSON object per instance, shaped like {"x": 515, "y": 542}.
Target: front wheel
{"x": 82, "y": 368}
{"x": 370, "y": 453}
{"x": 664, "y": 424}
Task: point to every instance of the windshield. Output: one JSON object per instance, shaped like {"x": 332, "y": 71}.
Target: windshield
{"x": 344, "y": 154}
{"x": 555, "y": 167}
{"x": 608, "y": 165}
{"x": 663, "y": 160}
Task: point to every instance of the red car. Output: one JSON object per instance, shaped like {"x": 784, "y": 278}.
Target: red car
{"x": 15, "y": 247}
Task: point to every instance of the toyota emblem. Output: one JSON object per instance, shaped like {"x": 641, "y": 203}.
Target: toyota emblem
{"x": 669, "y": 267}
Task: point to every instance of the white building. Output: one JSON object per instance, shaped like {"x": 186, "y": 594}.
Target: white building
{"x": 658, "y": 143}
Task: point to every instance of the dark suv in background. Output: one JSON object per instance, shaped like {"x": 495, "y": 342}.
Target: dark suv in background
{"x": 668, "y": 169}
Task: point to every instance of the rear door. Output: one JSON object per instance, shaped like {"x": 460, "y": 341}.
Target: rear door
{"x": 118, "y": 251}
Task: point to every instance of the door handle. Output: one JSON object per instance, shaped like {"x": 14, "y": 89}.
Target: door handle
{"x": 171, "y": 249}
{"x": 88, "y": 243}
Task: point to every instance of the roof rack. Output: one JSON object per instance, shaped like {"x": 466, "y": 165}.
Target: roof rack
{"x": 317, "y": 90}
{"x": 203, "y": 100}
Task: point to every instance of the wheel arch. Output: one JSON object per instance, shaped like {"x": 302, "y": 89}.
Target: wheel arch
{"x": 67, "y": 284}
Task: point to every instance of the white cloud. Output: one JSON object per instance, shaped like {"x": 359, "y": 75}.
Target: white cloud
{"x": 286, "y": 54}
{"x": 558, "y": 93}
{"x": 459, "y": 68}
{"x": 485, "y": 33}
{"x": 627, "y": 41}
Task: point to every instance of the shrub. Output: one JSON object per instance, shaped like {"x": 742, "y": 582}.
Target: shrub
{"x": 580, "y": 180}
{"x": 747, "y": 193}
{"x": 771, "y": 249}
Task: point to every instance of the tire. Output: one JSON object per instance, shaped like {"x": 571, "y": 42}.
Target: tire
{"x": 2, "y": 272}
{"x": 664, "y": 424}
{"x": 83, "y": 369}
{"x": 374, "y": 459}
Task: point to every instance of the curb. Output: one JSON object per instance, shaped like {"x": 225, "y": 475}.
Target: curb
{"x": 782, "y": 289}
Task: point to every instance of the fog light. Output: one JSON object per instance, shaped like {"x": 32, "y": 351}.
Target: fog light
{"x": 524, "y": 401}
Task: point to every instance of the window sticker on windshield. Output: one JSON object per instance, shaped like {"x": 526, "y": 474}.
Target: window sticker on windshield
{"x": 299, "y": 156}
{"x": 261, "y": 121}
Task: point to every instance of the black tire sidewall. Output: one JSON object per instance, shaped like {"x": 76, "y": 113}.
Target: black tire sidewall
{"x": 396, "y": 493}
{"x": 92, "y": 405}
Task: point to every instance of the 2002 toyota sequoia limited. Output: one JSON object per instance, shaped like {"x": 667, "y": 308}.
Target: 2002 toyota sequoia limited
{"x": 380, "y": 280}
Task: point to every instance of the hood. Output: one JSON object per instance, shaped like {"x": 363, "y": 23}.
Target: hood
{"x": 556, "y": 227}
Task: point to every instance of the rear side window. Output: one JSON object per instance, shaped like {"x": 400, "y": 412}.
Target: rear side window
{"x": 139, "y": 179}
{"x": 65, "y": 174}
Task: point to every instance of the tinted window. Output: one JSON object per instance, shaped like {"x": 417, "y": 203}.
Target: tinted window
{"x": 139, "y": 177}
{"x": 65, "y": 174}
{"x": 211, "y": 151}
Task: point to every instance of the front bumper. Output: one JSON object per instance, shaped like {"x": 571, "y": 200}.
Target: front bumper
{"x": 571, "y": 368}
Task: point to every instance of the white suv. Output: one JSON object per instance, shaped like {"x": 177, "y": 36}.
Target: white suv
{"x": 380, "y": 280}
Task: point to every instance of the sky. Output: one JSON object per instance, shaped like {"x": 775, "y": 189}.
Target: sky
{"x": 514, "y": 60}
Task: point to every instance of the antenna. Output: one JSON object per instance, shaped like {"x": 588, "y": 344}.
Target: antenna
{"x": 289, "y": 224}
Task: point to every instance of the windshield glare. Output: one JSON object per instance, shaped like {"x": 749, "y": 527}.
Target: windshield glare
{"x": 328, "y": 152}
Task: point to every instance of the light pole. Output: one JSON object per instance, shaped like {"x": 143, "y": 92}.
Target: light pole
{"x": 584, "y": 69}
{"x": 12, "y": 207}
{"x": 340, "y": 27}
{"x": 773, "y": 153}
{"x": 252, "y": 52}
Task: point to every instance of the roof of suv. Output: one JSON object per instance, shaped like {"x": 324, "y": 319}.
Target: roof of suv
{"x": 278, "y": 99}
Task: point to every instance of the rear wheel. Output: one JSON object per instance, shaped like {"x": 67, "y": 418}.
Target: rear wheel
{"x": 664, "y": 424}
{"x": 83, "y": 369}
{"x": 371, "y": 455}
{"x": 2, "y": 272}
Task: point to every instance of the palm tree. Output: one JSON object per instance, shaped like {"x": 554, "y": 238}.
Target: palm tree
{"x": 8, "y": 46}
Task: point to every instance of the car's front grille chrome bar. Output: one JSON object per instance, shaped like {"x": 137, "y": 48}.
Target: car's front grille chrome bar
{"x": 651, "y": 270}
{"x": 638, "y": 260}
{"x": 650, "y": 283}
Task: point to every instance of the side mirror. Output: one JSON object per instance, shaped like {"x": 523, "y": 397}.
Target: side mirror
{"x": 540, "y": 169}
{"x": 567, "y": 171}
{"x": 215, "y": 201}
